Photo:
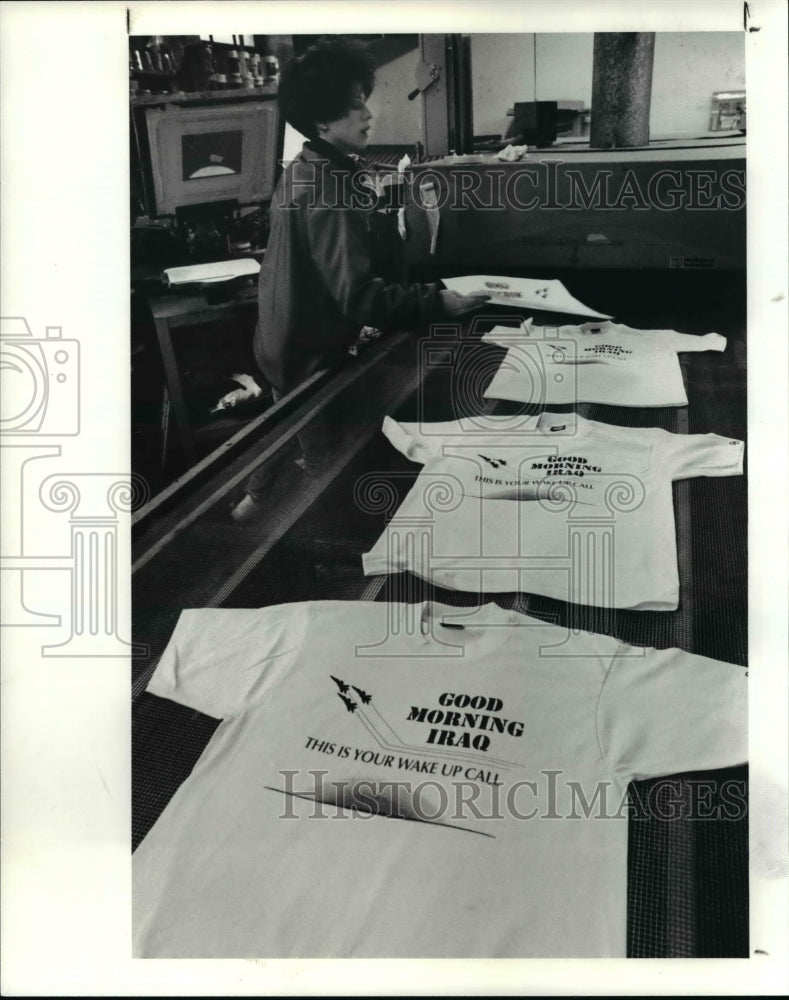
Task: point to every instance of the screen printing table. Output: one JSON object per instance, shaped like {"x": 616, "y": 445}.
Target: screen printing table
{"x": 688, "y": 877}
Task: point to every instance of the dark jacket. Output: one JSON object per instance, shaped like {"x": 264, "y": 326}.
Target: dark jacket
{"x": 316, "y": 287}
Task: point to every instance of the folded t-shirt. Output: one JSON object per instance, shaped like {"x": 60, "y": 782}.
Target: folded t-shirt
{"x": 594, "y": 363}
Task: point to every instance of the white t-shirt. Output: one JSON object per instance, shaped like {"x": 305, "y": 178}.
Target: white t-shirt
{"x": 594, "y": 363}
{"x": 383, "y": 786}
{"x": 523, "y": 293}
{"x": 558, "y": 505}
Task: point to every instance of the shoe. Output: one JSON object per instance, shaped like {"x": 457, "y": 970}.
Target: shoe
{"x": 246, "y": 509}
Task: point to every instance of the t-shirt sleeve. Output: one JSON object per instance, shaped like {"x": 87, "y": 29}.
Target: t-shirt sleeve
{"x": 424, "y": 441}
{"x": 419, "y": 442}
{"x": 666, "y": 711}
{"x": 685, "y": 455}
{"x": 222, "y": 661}
{"x": 683, "y": 342}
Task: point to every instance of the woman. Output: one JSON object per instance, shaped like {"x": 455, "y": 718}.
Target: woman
{"x": 317, "y": 287}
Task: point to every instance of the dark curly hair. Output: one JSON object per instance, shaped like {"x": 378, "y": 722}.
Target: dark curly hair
{"x": 318, "y": 85}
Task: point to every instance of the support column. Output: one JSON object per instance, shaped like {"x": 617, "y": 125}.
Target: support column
{"x": 621, "y": 88}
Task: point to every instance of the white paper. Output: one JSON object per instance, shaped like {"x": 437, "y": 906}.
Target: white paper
{"x": 220, "y": 270}
{"x": 512, "y": 153}
{"x": 523, "y": 293}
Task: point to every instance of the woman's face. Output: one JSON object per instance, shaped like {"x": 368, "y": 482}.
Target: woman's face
{"x": 351, "y": 133}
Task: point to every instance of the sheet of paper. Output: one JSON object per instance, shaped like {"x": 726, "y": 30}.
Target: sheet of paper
{"x": 221, "y": 270}
{"x": 526, "y": 293}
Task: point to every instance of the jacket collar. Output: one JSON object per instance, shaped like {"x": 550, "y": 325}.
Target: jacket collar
{"x": 319, "y": 149}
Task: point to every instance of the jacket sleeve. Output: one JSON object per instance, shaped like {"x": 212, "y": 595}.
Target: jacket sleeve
{"x": 336, "y": 238}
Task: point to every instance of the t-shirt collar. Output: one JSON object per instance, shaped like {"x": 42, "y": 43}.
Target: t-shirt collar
{"x": 601, "y": 326}
{"x": 567, "y": 424}
{"x": 465, "y": 626}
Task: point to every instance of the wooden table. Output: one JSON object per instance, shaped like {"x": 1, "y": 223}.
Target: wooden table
{"x": 175, "y": 310}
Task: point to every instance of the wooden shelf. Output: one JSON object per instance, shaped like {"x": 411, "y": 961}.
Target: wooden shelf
{"x": 161, "y": 73}
{"x": 203, "y": 96}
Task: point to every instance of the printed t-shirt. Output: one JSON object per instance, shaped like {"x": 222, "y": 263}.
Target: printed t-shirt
{"x": 597, "y": 362}
{"x": 555, "y": 504}
{"x": 384, "y": 786}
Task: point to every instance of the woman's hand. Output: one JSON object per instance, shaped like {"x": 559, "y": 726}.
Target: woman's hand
{"x": 456, "y": 305}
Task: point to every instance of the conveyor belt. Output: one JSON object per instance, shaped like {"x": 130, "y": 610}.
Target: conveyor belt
{"x": 687, "y": 888}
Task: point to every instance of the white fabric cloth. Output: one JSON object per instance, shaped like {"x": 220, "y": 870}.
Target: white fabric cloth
{"x": 545, "y": 294}
{"x": 512, "y": 743}
{"x": 558, "y": 505}
{"x": 594, "y": 363}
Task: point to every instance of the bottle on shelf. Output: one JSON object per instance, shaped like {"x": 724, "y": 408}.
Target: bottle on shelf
{"x": 272, "y": 69}
{"x": 218, "y": 78}
{"x": 247, "y": 79}
{"x": 203, "y": 73}
{"x": 255, "y": 70}
{"x": 233, "y": 69}
{"x": 155, "y": 48}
